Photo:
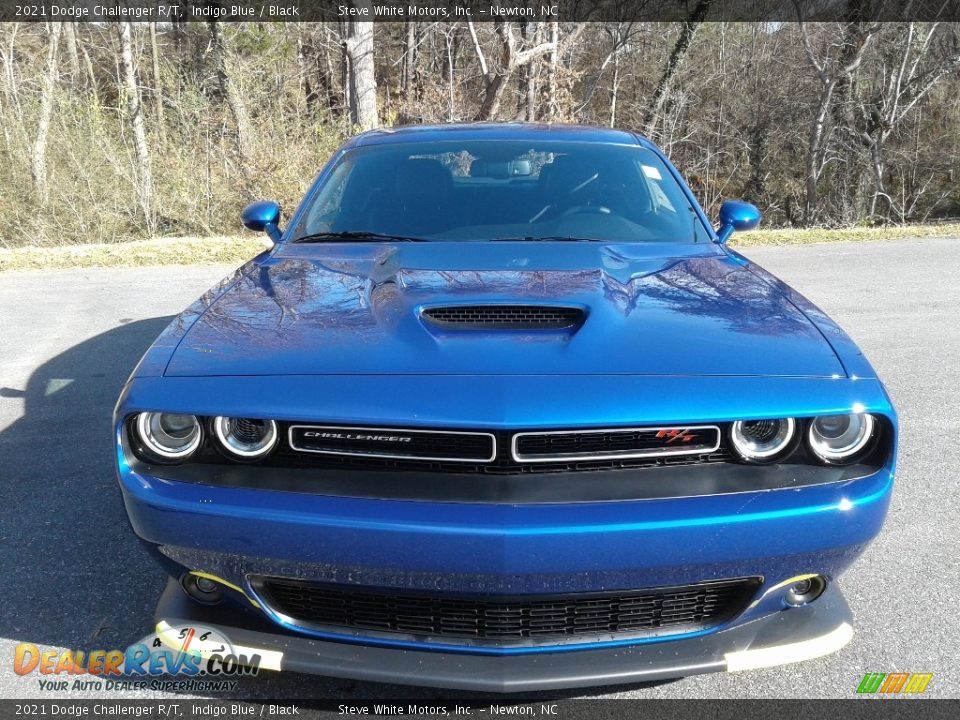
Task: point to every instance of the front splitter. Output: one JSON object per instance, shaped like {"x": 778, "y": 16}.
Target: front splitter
{"x": 789, "y": 636}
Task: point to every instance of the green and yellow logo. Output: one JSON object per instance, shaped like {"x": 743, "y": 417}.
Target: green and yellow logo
{"x": 894, "y": 683}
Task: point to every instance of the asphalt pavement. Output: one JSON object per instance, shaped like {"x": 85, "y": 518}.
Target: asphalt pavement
{"x": 72, "y": 574}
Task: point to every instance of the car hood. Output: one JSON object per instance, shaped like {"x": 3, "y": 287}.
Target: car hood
{"x": 355, "y": 309}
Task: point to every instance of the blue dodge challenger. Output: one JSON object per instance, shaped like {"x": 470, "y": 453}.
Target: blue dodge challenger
{"x": 500, "y": 410}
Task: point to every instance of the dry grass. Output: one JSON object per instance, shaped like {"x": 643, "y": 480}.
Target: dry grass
{"x": 237, "y": 250}
{"x": 136, "y": 253}
{"x": 792, "y": 236}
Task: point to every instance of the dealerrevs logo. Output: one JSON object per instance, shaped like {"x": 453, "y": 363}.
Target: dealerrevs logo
{"x": 189, "y": 651}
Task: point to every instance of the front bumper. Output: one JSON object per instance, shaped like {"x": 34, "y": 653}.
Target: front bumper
{"x": 548, "y": 545}
{"x": 802, "y": 633}
{"x": 235, "y": 534}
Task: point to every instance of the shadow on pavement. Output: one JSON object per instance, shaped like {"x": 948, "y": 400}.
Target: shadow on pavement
{"x": 73, "y": 574}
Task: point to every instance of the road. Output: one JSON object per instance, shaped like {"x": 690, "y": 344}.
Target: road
{"x": 73, "y": 576}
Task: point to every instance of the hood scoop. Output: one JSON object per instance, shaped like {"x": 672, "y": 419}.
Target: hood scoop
{"x": 504, "y": 317}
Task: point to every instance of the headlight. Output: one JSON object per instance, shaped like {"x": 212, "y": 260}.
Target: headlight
{"x": 840, "y": 438}
{"x": 762, "y": 440}
{"x": 245, "y": 438}
{"x": 169, "y": 437}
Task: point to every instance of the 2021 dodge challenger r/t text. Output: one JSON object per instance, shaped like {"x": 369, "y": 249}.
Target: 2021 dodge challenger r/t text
{"x": 500, "y": 410}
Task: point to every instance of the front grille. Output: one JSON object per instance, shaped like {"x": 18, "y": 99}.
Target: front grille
{"x": 393, "y": 443}
{"x": 462, "y": 452}
{"x": 504, "y": 317}
{"x": 495, "y": 621}
{"x": 559, "y": 446}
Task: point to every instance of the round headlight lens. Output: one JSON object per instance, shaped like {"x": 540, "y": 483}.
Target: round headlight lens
{"x": 762, "y": 440}
{"x": 246, "y": 438}
{"x": 167, "y": 436}
{"x": 840, "y": 438}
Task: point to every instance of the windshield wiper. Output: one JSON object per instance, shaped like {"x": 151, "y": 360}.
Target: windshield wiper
{"x": 356, "y": 236}
{"x": 546, "y": 238}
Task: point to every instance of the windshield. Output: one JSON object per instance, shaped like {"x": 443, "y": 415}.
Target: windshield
{"x": 500, "y": 190}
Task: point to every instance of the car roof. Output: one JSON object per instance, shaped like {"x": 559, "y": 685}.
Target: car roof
{"x": 497, "y": 131}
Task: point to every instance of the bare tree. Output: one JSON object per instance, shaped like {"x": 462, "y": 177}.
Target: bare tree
{"x": 905, "y": 79}
{"x": 8, "y": 55}
{"x": 497, "y": 75}
{"x": 135, "y": 110}
{"x": 554, "y": 64}
{"x": 70, "y": 33}
{"x": 234, "y": 98}
{"x": 358, "y": 47}
{"x": 315, "y": 46}
{"x": 38, "y": 154}
{"x": 620, "y": 36}
{"x": 830, "y": 72}
{"x": 409, "y": 77}
{"x": 661, "y": 95}
{"x": 527, "y": 105}
{"x": 450, "y": 50}
{"x": 157, "y": 86}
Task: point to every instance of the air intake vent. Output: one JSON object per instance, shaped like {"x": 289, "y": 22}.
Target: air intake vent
{"x": 504, "y": 317}
{"x": 516, "y": 621}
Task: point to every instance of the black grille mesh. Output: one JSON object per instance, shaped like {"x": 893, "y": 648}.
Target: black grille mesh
{"x": 417, "y": 444}
{"x": 611, "y": 442}
{"x": 492, "y": 621}
{"x": 505, "y": 317}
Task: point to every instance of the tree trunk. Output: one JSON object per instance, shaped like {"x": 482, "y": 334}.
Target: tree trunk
{"x": 38, "y": 154}
{"x": 655, "y": 108}
{"x": 70, "y": 33}
{"x": 135, "y": 110}
{"x": 9, "y": 75}
{"x": 326, "y": 78}
{"x": 450, "y": 72}
{"x": 614, "y": 90}
{"x": 814, "y": 152}
{"x": 361, "y": 75}
{"x": 304, "y": 64}
{"x": 91, "y": 76}
{"x": 345, "y": 67}
{"x": 234, "y": 98}
{"x": 529, "y": 105}
{"x": 511, "y": 58}
{"x": 492, "y": 97}
{"x": 880, "y": 190}
{"x": 552, "y": 78}
{"x": 835, "y": 80}
{"x": 410, "y": 94}
{"x": 157, "y": 88}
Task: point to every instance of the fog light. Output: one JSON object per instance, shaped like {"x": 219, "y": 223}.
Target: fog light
{"x": 805, "y": 591}
{"x": 202, "y": 589}
{"x": 206, "y": 585}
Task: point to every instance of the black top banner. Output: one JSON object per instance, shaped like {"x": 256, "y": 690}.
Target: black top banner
{"x": 168, "y": 11}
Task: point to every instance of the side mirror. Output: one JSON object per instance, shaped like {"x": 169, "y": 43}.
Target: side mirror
{"x": 736, "y": 215}
{"x": 263, "y": 216}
